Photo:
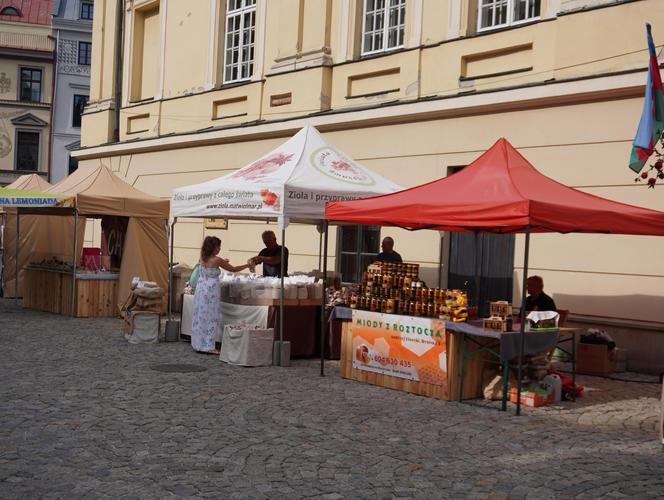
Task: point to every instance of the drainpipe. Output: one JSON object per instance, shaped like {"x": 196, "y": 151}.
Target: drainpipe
{"x": 119, "y": 29}
{"x": 53, "y": 96}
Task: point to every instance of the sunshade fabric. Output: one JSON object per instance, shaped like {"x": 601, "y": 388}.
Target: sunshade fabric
{"x": 15, "y": 198}
{"x": 293, "y": 181}
{"x": 99, "y": 191}
{"x": 500, "y": 192}
{"x": 28, "y": 182}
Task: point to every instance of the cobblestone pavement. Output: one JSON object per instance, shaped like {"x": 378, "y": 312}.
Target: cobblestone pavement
{"x": 84, "y": 415}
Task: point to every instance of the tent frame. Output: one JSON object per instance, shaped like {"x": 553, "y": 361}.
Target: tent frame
{"x": 58, "y": 212}
{"x": 282, "y": 223}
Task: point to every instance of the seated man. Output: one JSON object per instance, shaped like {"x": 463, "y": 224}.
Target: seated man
{"x": 537, "y": 300}
{"x": 270, "y": 256}
{"x": 388, "y": 254}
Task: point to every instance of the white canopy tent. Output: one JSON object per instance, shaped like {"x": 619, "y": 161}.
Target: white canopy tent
{"x": 291, "y": 183}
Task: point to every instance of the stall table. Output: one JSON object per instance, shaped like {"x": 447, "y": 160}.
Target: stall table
{"x": 467, "y": 348}
{"x": 300, "y": 319}
{"x": 501, "y": 346}
{"x": 49, "y": 289}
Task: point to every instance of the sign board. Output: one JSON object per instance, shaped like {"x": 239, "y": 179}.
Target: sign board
{"x": 216, "y": 223}
{"x": 413, "y": 348}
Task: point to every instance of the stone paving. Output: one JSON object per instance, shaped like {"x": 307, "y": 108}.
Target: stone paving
{"x": 84, "y": 415}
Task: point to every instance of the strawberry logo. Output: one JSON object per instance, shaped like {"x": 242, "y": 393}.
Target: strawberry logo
{"x": 270, "y": 198}
{"x": 336, "y": 165}
{"x": 340, "y": 165}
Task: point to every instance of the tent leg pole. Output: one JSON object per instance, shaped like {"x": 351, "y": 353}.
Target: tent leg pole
{"x": 170, "y": 271}
{"x": 73, "y": 273}
{"x": 320, "y": 249}
{"x": 440, "y": 262}
{"x": 524, "y": 291}
{"x": 281, "y": 296}
{"x": 16, "y": 256}
{"x": 477, "y": 272}
{"x": 322, "y": 310}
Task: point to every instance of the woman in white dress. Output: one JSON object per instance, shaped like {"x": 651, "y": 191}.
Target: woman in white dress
{"x": 205, "y": 326}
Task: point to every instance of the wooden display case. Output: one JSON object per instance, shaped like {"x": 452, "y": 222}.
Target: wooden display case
{"x": 50, "y": 290}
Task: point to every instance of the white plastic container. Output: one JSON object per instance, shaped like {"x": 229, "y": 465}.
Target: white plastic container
{"x": 555, "y": 383}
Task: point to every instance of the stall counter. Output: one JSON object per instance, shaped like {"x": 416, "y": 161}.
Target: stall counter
{"x": 400, "y": 353}
{"x": 301, "y": 321}
{"x": 49, "y": 289}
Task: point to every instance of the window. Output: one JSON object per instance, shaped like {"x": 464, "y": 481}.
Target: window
{"x": 27, "y": 150}
{"x": 498, "y": 13}
{"x": 383, "y": 25}
{"x": 31, "y": 80}
{"x": 84, "y": 53}
{"x": 87, "y": 10}
{"x": 239, "y": 48}
{"x": 73, "y": 165}
{"x": 10, "y": 11}
{"x": 358, "y": 247}
{"x": 80, "y": 101}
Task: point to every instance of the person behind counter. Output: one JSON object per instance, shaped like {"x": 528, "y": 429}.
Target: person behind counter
{"x": 270, "y": 256}
{"x": 388, "y": 254}
{"x": 537, "y": 300}
{"x": 205, "y": 324}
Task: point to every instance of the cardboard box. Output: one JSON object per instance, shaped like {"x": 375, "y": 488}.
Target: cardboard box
{"x": 497, "y": 324}
{"x": 528, "y": 398}
{"x": 593, "y": 359}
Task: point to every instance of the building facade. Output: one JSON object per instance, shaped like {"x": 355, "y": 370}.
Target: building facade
{"x": 26, "y": 88}
{"x": 72, "y": 30}
{"x": 183, "y": 92}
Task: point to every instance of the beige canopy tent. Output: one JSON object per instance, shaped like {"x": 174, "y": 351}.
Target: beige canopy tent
{"x": 31, "y": 182}
{"x": 99, "y": 192}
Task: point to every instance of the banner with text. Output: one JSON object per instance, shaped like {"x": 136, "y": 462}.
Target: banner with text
{"x": 400, "y": 346}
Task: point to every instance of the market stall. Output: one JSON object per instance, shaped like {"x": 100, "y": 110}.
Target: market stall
{"x": 500, "y": 192}
{"x": 29, "y": 182}
{"x": 290, "y": 184}
{"x": 64, "y": 278}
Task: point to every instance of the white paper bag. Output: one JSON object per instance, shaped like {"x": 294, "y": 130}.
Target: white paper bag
{"x": 247, "y": 346}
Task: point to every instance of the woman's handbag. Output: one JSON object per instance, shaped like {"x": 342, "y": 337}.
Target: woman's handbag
{"x": 195, "y": 274}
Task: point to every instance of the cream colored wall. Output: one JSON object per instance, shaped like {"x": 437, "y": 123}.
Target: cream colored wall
{"x": 583, "y": 145}
{"x": 187, "y": 63}
{"x": 435, "y": 16}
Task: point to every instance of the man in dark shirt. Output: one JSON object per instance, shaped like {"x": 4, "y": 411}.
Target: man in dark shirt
{"x": 270, "y": 256}
{"x": 537, "y": 300}
{"x": 388, "y": 254}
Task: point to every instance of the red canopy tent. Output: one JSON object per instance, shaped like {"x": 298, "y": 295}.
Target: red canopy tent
{"x": 500, "y": 192}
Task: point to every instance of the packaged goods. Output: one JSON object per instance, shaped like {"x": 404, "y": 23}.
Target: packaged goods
{"x": 395, "y": 288}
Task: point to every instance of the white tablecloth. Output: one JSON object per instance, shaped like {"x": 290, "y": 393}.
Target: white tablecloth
{"x": 230, "y": 314}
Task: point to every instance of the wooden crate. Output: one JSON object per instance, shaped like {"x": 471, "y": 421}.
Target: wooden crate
{"x": 473, "y": 367}
{"x": 42, "y": 290}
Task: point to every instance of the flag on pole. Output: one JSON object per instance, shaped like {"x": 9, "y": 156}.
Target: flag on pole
{"x": 652, "y": 119}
